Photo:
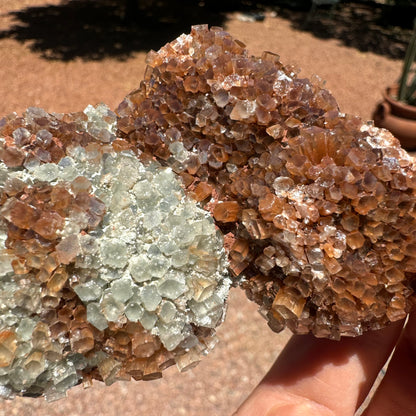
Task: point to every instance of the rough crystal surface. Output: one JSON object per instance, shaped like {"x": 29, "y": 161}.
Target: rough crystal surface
{"x": 98, "y": 259}
{"x": 117, "y": 229}
{"x": 318, "y": 208}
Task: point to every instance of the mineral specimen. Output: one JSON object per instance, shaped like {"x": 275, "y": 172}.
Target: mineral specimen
{"x": 107, "y": 270}
{"x": 117, "y": 230}
{"x": 317, "y": 207}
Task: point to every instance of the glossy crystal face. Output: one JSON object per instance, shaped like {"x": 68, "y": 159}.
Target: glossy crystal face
{"x": 121, "y": 233}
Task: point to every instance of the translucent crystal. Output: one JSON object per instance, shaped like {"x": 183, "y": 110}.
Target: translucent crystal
{"x": 139, "y": 267}
{"x": 65, "y": 376}
{"x": 47, "y": 172}
{"x": 25, "y": 328}
{"x": 113, "y": 253}
{"x": 188, "y": 360}
{"x": 167, "y": 311}
{"x": 171, "y": 289}
{"x": 122, "y": 289}
{"x": 133, "y": 311}
{"x": 158, "y": 265}
{"x": 96, "y": 317}
{"x": 150, "y": 297}
{"x": 170, "y": 339}
{"x": 111, "y": 307}
{"x": 8, "y": 345}
{"x": 88, "y": 291}
{"x": 67, "y": 249}
{"x": 148, "y": 320}
{"x": 108, "y": 368}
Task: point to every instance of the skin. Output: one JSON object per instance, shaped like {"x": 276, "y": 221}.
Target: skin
{"x": 320, "y": 377}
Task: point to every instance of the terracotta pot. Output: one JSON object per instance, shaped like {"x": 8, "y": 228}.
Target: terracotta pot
{"x": 397, "y": 117}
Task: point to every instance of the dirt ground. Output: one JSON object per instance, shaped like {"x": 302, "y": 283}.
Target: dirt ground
{"x": 41, "y": 64}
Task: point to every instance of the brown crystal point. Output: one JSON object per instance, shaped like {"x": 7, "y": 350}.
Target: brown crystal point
{"x": 20, "y": 214}
{"x": 321, "y": 206}
{"x": 269, "y": 206}
{"x": 82, "y": 340}
{"x": 12, "y": 157}
{"x": 227, "y": 211}
{"x": 48, "y": 225}
{"x": 202, "y": 191}
{"x": 8, "y": 346}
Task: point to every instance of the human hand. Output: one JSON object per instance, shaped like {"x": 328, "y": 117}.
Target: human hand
{"x": 320, "y": 377}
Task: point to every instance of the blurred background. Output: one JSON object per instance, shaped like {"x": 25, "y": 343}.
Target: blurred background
{"x": 64, "y": 54}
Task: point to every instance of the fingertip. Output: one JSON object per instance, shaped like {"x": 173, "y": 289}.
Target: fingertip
{"x": 299, "y": 409}
{"x": 279, "y": 403}
{"x": 315, "y": 376}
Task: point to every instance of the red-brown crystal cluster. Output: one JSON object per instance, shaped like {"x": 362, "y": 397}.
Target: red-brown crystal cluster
{"x": 35, "y": 215}
{"x": 318, "y": 208}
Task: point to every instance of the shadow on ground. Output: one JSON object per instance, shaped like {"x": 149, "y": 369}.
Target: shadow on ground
{"x": 384, "y": 29}
{"x": 96, "y": 29}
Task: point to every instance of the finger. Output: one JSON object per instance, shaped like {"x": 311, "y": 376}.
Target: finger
{"x": 322, "y": 377}
{"x": 396, "y": 393}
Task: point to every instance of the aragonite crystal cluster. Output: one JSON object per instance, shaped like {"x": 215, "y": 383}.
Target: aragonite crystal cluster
{"x": 108, "y": 270}
{"x": 120, "y": 233}
{"x": 317, "y": 207}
